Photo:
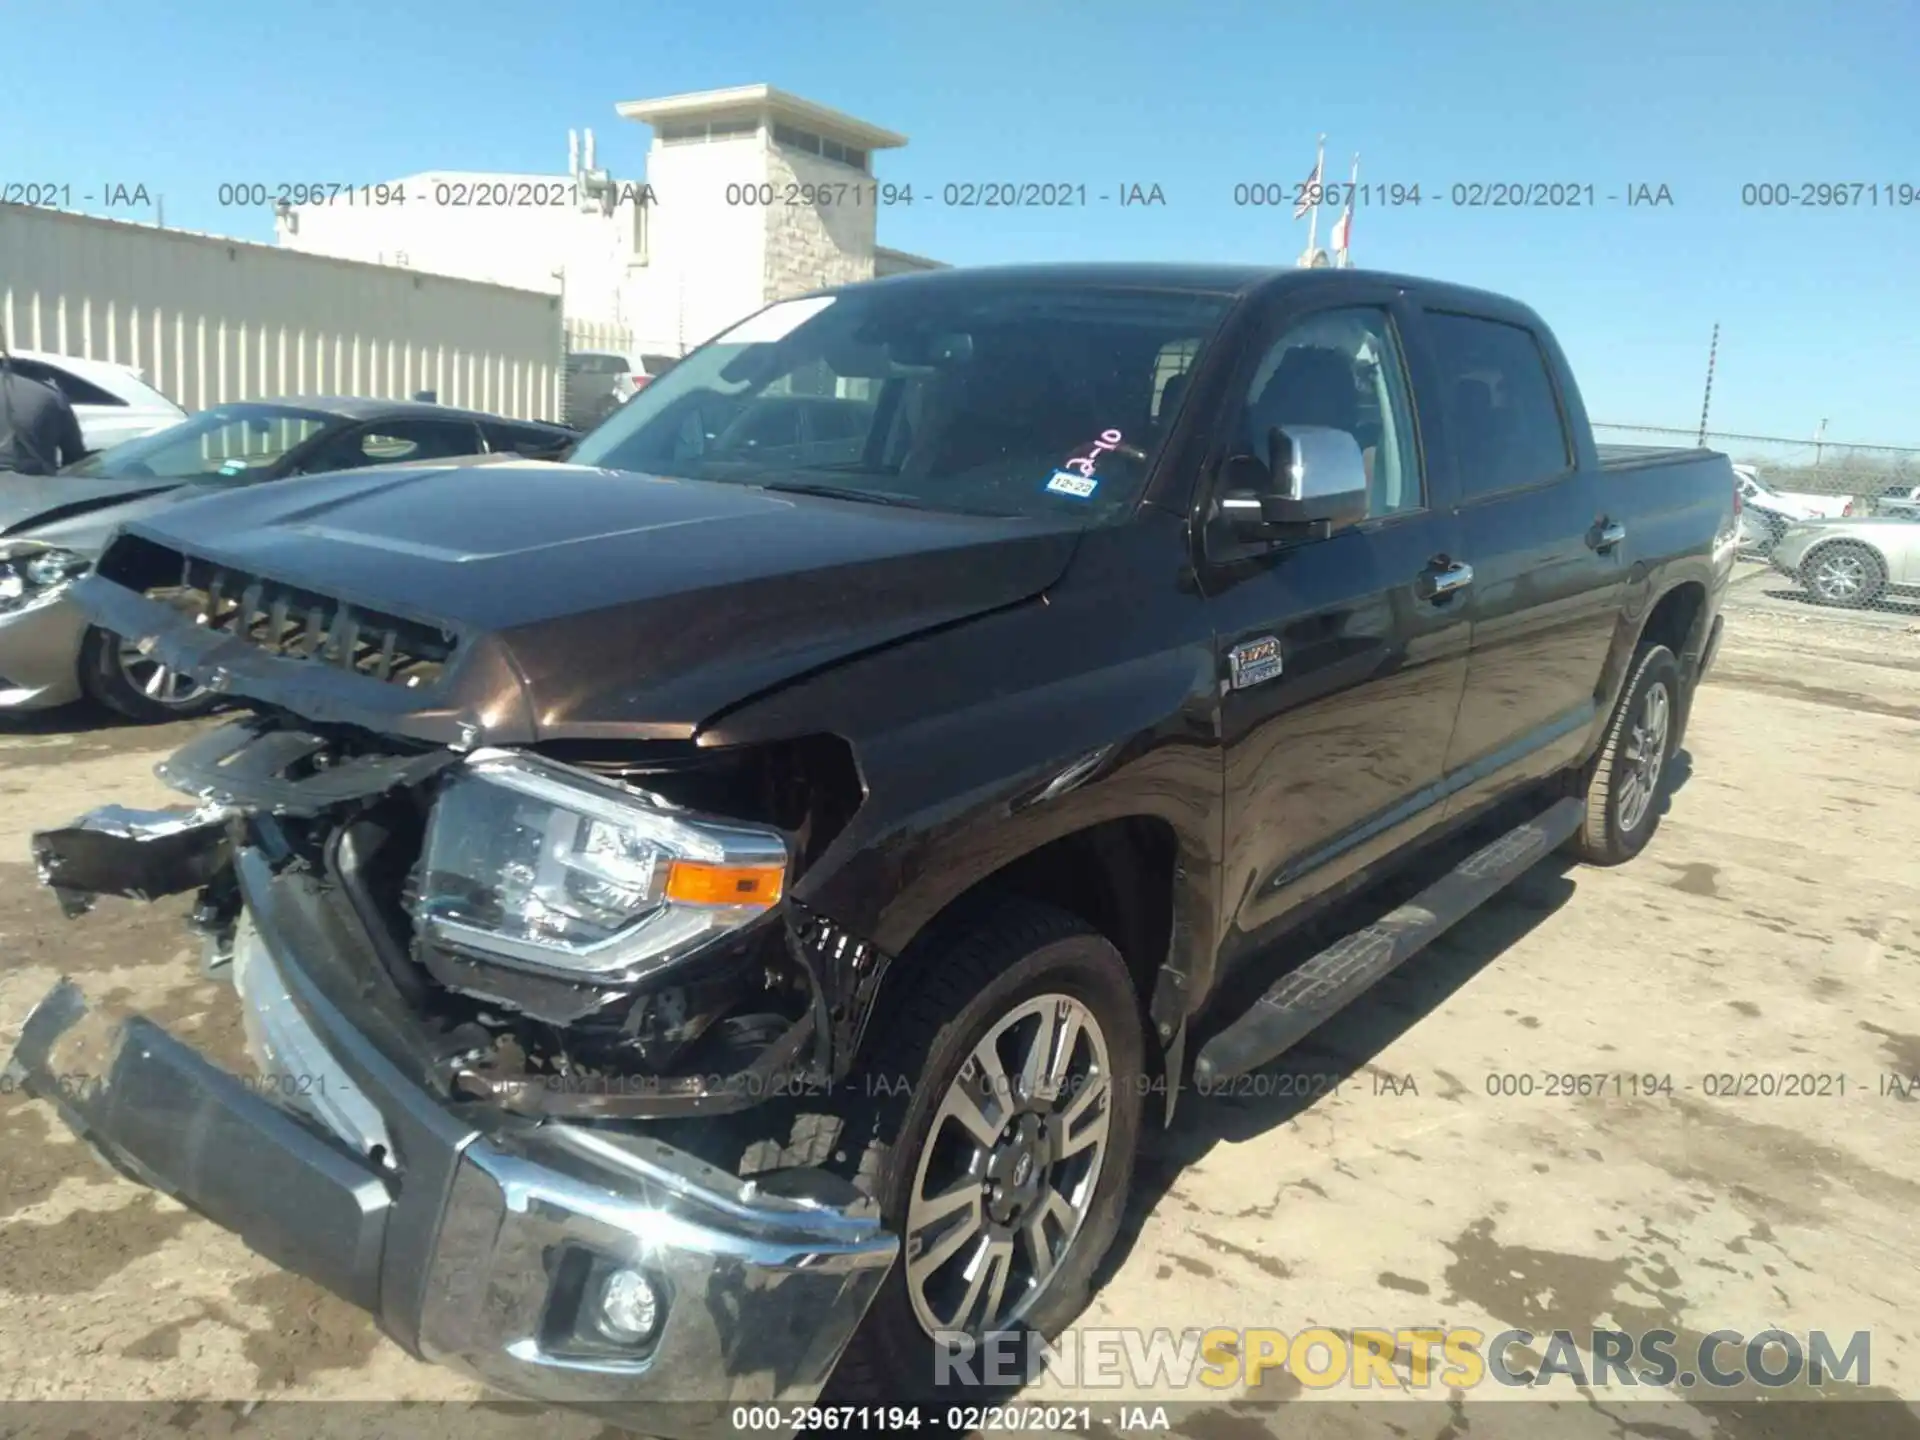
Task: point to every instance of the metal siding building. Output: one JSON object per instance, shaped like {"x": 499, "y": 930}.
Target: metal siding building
{"x": 211, "y": 320}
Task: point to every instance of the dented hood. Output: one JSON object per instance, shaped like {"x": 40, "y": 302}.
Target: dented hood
{"x": 585, "y": 602}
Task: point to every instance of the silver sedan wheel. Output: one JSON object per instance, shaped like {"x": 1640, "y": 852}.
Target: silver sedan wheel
{"x": 159, "y": 683}
{"x": 1840, "y": 575}
{"x": 1646, "y": 753}
{"x": 1009, "y": 1169}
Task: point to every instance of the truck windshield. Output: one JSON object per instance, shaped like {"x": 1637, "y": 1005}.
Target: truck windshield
{"x": 990, "y": 398}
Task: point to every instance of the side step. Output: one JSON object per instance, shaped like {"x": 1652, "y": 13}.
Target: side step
{"x": 1305, "y": 998}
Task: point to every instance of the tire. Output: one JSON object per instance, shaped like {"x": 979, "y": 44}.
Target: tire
{"x": 1624, "y": 784}
{"x": 1844, "y": 573}
{"x": 966, "y": 984}
{"x": 112, "y": 677}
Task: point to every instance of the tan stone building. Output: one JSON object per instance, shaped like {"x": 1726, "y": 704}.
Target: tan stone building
{"x": 749, "y": 195}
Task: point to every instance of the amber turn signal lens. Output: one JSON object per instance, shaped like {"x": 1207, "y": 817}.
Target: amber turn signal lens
{"x": 692, "y": 882}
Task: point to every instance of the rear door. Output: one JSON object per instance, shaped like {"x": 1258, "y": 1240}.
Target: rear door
{"x": 1340, "y": 665}
{"x": 1549, "y": 561}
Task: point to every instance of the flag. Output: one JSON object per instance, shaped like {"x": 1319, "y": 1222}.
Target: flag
{"x": 1310, "y": 194}
{"x": 1343, "y": 228}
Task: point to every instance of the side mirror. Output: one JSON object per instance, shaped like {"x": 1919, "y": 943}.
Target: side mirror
{"x": 1315, "y": 485}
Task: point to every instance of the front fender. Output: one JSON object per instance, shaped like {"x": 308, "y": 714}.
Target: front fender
{"x": 980, "y": 744}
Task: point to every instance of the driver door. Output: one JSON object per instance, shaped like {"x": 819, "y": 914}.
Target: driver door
{"x": 1341, "y": 665}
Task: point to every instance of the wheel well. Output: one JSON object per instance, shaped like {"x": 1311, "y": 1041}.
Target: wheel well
{"x": 1117, "y": 876}
{"x": 1845, "y": 542}
{"x": 1675, "y": 619}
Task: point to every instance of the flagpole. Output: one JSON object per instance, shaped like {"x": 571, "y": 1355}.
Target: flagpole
{"x": 1313, "y": 222}
{"x": 1353, "y": 184}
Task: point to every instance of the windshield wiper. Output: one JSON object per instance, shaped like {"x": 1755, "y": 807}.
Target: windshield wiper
{"x": 844, "y": 492}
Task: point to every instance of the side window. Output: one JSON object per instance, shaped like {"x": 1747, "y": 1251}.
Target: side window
{"x": 1502, "y": 415}
{"x": 1170, "y": 373}
{"x": 391, "y": 442}
{"x": 84, "y": 392}
{"x": 522, "y": 439}
{"x": 1341, "y": 369}
{"x": 76, "y": 390}
{"x": 765, "y": 426}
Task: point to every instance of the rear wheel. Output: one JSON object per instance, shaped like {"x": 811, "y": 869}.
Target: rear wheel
{"x": 1003, "y": 1161}
{"x": 1844, "y": 573}
{"x": 1625, "y": 783}
{"x": 115, "y": 673}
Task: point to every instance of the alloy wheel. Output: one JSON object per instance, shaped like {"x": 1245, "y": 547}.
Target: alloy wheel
{"x": 1646, "y": 753}
{"x": 1840, "y": 575}
{"x": 1009, "y": 1169}
{"x": 161, "y": 684}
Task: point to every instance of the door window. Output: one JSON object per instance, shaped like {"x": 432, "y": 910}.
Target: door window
{"x": 77, "y": 391}
{"x": 1502, "y": 413}
{"x": 392, "y": 442}
{"x": 1341, "y": 369}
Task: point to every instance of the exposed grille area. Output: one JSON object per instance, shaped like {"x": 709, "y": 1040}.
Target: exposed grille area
{"x": 283, "y": 619}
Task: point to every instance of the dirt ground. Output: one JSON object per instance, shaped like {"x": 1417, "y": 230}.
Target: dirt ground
{"x": 1770, "y": 928}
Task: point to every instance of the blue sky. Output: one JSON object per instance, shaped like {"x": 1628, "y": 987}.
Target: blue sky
{"x": 1818, "y": 307}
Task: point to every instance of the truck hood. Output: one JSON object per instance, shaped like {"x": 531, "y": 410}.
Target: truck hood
{"x": 580, "y": 602}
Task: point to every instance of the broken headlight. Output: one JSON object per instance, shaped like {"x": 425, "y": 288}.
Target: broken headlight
{"x": 539, "y": 864}
{"x": 32, "y": 573}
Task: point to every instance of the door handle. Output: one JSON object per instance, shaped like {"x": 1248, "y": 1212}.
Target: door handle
{"x": 1444, "y": 578}
{"x": 1605, "y": 535}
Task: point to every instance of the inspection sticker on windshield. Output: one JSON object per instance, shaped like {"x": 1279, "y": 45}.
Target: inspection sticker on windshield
{"x": 1254, "y": 661}
{"x": 1065, "y": 482}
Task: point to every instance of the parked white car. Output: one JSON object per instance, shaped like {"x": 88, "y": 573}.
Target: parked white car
{"x": 1853, "y": 562}
{"x": 1766, "y": 512}
{"x": 1899, "y": 501}
{"x": 112, "y": 402}
{"x": 1794, "y": 504}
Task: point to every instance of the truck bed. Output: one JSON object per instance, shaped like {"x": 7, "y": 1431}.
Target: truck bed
{"x": 1639, "y": 457}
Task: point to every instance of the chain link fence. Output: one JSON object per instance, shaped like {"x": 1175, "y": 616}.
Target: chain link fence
{"x": 1828, "y": 529}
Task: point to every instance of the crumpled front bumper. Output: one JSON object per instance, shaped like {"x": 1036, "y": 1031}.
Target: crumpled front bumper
{"x": 477, "y": 1238}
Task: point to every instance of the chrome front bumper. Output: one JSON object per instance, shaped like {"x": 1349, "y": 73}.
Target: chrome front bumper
{"x": 473, "y": 1237}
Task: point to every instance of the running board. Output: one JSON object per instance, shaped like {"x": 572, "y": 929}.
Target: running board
{"x": 1305, "y": 998}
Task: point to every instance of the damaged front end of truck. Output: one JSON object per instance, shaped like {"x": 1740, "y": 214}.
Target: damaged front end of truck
{"x": 524, "y": 1004}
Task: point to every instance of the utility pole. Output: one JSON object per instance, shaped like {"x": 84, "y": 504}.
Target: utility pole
{"x": 1713, "y": 349}
{"x": 1818, "y": 440}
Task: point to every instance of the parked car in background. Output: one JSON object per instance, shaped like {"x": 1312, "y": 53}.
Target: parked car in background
{"x": 1898, "y": 500}
{"x": 112, "y": 402}
{"x": 652, "y": 367}
{"x": 1767, "y": 512}
{"x": 599, "y": 382}
{"x": 52, "y": 527}
{"x": 1852, "y": 562}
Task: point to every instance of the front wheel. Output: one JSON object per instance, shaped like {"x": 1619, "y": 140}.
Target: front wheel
{"x": 117, "y": 675}
{"x": 1844, "y": 573}
{"x": 1007, "y": 1101}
